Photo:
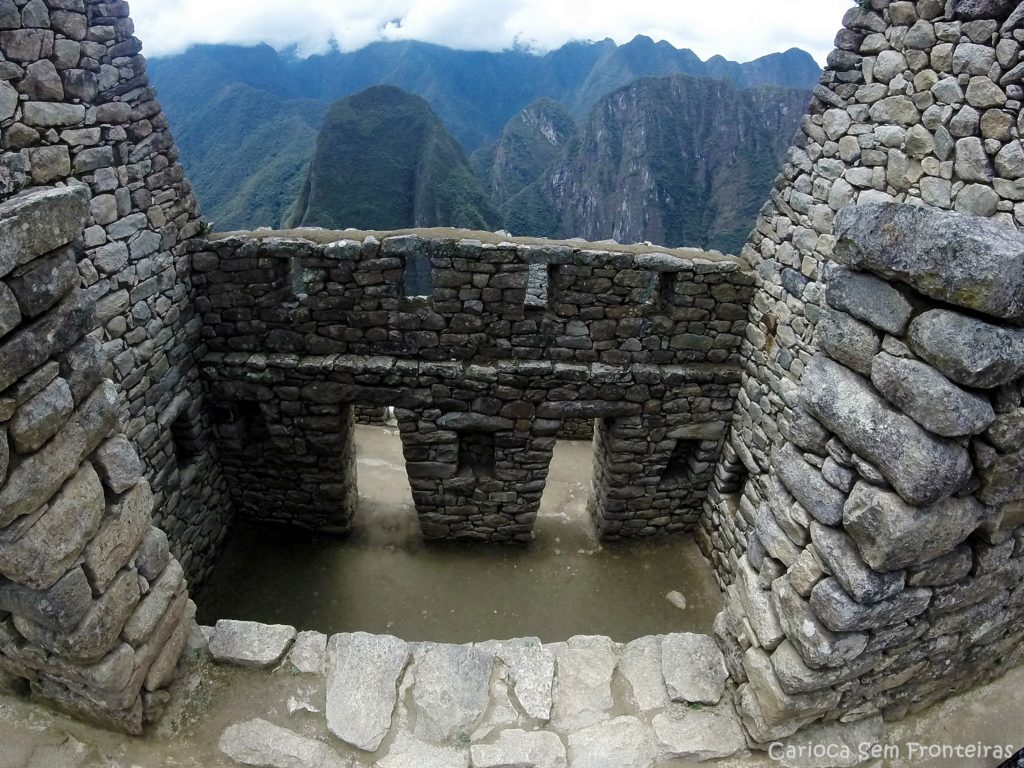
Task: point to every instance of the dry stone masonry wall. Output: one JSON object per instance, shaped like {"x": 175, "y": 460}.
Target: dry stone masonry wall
{"x": 93, "y": 608}
{"x": 75, "y": 103}
{"x": 838, "y": 414}
{"x": 485, "y": 351}
{"x": 873, "y": 556}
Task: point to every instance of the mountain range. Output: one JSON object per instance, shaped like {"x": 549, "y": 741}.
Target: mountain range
{"x": 248, "y": 119}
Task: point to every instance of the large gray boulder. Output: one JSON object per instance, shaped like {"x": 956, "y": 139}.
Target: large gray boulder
{"x": 818, "y": 645}
{"x": 694, "y": 668}
{"x": 619, "y": 743}
{"x": 538, "y": 749}
{"x": 699, "y": 735}
{"x": 868, "y": 298}
{"x": 849, "y": 341}
{"x": 263, "y": 744}
{"x": 892, "y": 534}
{"x": 362, "y": 686}
{"x": 805, "y": 482}
{"x": 249, "y": 644}
{"x": 973, "y": 10}
{"x": 963, "y": 260}
{"x": 969, "y": 351}
{"x": 452, "y": 689}
{"x": 840, "y": 554}
{"x": 841, "y": 613}
{"x": 921, "y": 467}
{"x": 929, "y": 398}
{"x": 40, "y": 222}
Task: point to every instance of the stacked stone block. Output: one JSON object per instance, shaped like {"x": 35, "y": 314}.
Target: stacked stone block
{"x": 94, "y": 611}
{"x": 883, "y": 571}
{"x": 75, "y": 103}
{"x": 641, "y": 342}
{"x": 477, "y": 438}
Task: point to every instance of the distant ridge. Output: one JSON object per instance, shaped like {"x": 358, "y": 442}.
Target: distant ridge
{"x": 247, "y": 173}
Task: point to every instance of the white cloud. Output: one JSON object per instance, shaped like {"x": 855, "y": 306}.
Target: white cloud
{"x": 737, "y": 29}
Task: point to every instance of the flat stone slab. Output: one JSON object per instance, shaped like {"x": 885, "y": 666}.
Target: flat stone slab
{"x": 531, "y": 668}
{"x": 641, "y": 666}
{"x": 410, "y": 752}
{"x": 694, "y": 668}
{"x": 451, "y": 690}
{"x": 309, "y": 653}
{"x": 263, "y": 744}
{"x": 362, "y": 686}
{"x": 535, "y": 749}
{"x": 583, "y": 684}
{"x": 699, "y": 734}
{"x": 839, "y": 744}
{"x": 620, "y": 743}
{"x": 249, "y": 644}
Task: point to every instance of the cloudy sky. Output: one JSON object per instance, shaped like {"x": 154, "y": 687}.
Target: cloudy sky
{"x": 737, "y": 29}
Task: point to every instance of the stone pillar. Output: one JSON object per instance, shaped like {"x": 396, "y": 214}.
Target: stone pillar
{"x": 473, "y": 476}
{"x": 885, "y": 568}
{"x": 651, "y": 477}
{"x": 288, "y": 455}
{"x": 94, "y": 611}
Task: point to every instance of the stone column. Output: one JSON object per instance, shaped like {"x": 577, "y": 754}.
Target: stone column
{"x": 473, "y": 476}
{"x": 885, "y": 568}
{"x": 94, "y": 611}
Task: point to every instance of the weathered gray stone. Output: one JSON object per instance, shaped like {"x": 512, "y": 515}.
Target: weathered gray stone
{"x": 892, "y": 534}
{"x": 922, "y": 468}
{"x": 309, "y": 653}
{"x": 759, "y": 608}
{"x": 619, "y": 743}
{"x": 849, "y": 341}
{"x": 779, "y": 708}
{"x": 39, "y": 549}
{"x": 966, "y": 261}
{"x": 97, "y": 633}
{"x": 531, "y": 669}
{"x": 82, "y": 367}
{"x": 40, "y": 222}
{"x": 818, "y": 645}
{"x": 452, "y": 689}
{"x": 263, "y": 744}
{"x": 640, "y": 665}
{"x": 771, "y": 534}
{"x": 694, "y": 668}
{"x": 807, "y": 485}
{"x": 154, "y": 605}
{"x": 118, "y": 464}
{"x": 55, "y": 332}
{"x": 942, "y": 571}
{"x": 868, "y": 298}
{"x": 841, "y": 613}
{"x": 153, "y": 554}
{"x": 796, "y": 677}
{"x": 929, "y": 398}
{"x": 969, "y": 10}
{"x": 583, "y": 686}
{"x": 248, "y": 644}
{"x": 42, "y": 283}
{"x": 10, "y": 315}
{"x": 41, "y": 417}
{"x": 42, "y": 474}
{"x": 699, "y": 735}
{"x": 967, "y": 350}
{"x": 528, "y": 749}
{"x": 1002, "y": 477}
{"x": 838, "y": 551}
{"x": 362, "y": 686}
{"x": 410, "y": 752}
{"x": 126, "y": 522}
{"x": 60, "y": 608}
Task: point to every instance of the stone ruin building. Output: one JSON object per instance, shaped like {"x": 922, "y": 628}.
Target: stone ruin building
{"x": 836, "y": 415}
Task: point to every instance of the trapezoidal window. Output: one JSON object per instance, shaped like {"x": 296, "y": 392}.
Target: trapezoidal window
{"x": 242, "y": 422}
{"x": 681, "y": 462}
{"x": 476, "y": 454}
{"x": 186, "y": 439}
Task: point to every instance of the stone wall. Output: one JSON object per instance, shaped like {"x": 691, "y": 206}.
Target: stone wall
{"x": 497, "y": 350}
{"x": 93, "y": 608}
{"x": 75, "y": 103}
{"x": 920, "y": 105}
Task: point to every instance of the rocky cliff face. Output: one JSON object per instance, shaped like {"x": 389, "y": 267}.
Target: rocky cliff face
{"x": 383, "y": 160}
{"x": 674, "y": 160}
